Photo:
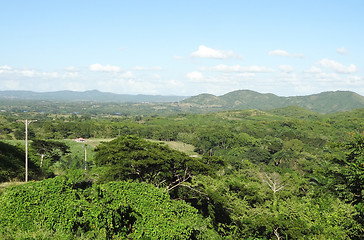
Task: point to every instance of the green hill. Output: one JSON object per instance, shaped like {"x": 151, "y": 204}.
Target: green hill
{"x": 295, "y": 112}
{"x": 329, "y": 102}
{"x": 207, "y": 99}
{"x": 326, "y": 102}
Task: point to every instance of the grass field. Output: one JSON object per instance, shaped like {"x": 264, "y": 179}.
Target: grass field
{"x": 179, "y": 146}
{"x": 93, "y": 142}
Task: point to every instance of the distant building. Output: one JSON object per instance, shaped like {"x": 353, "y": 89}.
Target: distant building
{"x": 80, "y": 140}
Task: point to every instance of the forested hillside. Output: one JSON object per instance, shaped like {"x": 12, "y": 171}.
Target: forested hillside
{"x": 326, "y": 102}
{"x": 284, "y": 173}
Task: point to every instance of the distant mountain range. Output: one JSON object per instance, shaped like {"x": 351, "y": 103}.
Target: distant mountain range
{"x": 89, "y": 96}
{"x": 326, "y": 102}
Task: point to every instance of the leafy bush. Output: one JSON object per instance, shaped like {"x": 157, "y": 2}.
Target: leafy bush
{"x": 134, "y": 158}
{"x": 67, "y": 209}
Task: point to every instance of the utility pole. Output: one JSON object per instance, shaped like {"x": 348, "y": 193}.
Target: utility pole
{"x": 85, "y": 157}
{"x": 27, "y": 122}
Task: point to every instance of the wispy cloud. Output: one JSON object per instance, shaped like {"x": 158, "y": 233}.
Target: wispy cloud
{"x": 5, "y": 68}
{"x": 313, "y": 69}
{"x": 285, "y": 68}
{"x": 104, "y": 68}
{"x": 126, "y": 75}
{"x": 342, "y": 51}
{"x": 139, "y": 68}
{"x": 194, "y": 75}
{"x": 284, "y": 53}
{"x": 238, "y": 68}
{"x": 337, "y": 67}
{"x": 71, "y": 69}
{"x": 27, "y": 72}
{"x": 206, "y": 52}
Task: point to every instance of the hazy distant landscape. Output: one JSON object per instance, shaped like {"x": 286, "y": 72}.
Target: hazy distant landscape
{"x": 93, "y": 102}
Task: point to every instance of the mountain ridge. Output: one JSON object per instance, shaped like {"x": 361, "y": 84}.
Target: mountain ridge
{"x": 90, "y": 95}
{"x": 325, "y": 102}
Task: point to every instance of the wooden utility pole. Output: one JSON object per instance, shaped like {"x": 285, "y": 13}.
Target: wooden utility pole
{"x": 27, "y": 122}
{"x": 85, "y": 157}
{"x": 26, "y": 150}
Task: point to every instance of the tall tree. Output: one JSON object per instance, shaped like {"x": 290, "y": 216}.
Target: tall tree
{"x": 134, "y": 158}
{"x": 53, "y": 149}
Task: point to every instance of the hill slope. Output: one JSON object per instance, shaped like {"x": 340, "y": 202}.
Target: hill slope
{"x": 326, "y": 102}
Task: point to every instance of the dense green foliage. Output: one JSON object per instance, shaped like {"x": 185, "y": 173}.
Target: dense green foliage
{"x": 134, "y": 158}
{"x": 347, "y": 171}
{"x": 286, "y": 173}
{"x": 53, "y": 150}
{"x": 71, "y": 208}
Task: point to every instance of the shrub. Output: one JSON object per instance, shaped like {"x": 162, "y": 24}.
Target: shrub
{"x": 68, "y": 209}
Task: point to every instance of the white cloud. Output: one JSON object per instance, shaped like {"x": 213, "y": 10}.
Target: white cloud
{"x": 32, "y": 73}
{"x": 337, "y": 67}
{"x": 206, "y": 52}
{"x": 355, "y": 81}
{"x": 49, "y": 74}
{"x": 284, "y": 53}
{"x": 5, "y": 68}
{"x": 239, "y": 68}
{"x": 288, "y": 78}
{"x": 245, "y": 75}
{"x": 71, "y": 69}
{"x": 194, "y": 75}
{"x": 328, "y": 77}
{"x": 70, "y": 75}
{"x": 28, "y": 73}
{"x": 104, "y": 68}
{"x": 342, "y": 51}
{"x": 156, "y": 76}
{"x": 138, "y": 68}
{"x": 355, "y": 78}
{"x": 313, "y": 69}
{"x": 286, "y": 68}
{"x": 174, "y": 83}
{"x": 279, "y": 52}
{"x": 127, "y": 75}
{"x": 177, "y": 57}
{"x": 139, "y": 86}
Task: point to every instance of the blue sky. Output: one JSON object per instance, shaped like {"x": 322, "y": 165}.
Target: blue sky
{"x": 182, "y": 47}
